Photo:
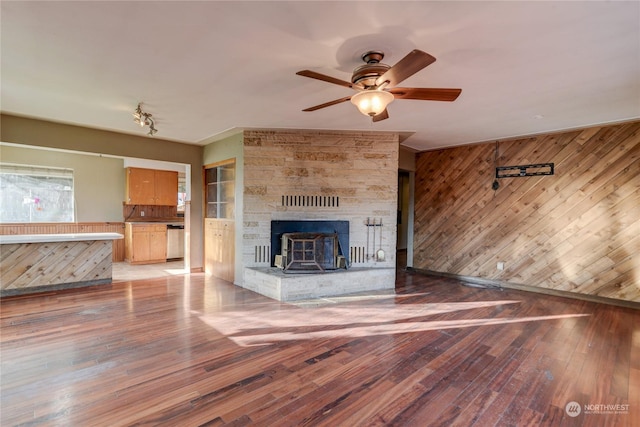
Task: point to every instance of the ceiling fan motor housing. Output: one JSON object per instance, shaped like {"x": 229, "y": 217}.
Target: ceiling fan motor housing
{"x": 367, "y": 74}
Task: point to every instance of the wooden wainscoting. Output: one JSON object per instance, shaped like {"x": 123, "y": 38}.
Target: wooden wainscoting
{"x": 62, "y": 228}
{"x": 575, "y": 231}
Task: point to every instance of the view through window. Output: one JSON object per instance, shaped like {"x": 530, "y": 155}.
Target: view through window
{"x": 35, "y": 194}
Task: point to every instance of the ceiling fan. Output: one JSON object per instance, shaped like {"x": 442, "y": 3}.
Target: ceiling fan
{"x": 376, "y": 84}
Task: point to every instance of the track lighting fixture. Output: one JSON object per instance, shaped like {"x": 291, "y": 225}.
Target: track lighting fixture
{"x": 144, "y": 119}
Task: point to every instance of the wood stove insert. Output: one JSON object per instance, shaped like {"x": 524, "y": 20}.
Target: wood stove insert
{"x": 309, "y": 246}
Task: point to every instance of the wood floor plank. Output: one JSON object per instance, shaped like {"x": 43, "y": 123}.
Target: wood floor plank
{"x": 192, "y": 350}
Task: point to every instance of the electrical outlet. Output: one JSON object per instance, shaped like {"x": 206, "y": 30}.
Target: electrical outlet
{"x": 142, "y": 213}
{"x": 500, "y": 265}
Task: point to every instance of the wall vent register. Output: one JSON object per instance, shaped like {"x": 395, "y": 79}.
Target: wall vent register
{"x": 314, "y": 201}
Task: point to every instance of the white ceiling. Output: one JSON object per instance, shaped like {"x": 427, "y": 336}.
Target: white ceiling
{"x": 205, "y": 69}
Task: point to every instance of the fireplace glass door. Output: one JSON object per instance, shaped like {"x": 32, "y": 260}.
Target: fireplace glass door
{"x": 309, "y": 251}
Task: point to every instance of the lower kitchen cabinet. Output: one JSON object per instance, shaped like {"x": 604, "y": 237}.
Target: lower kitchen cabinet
{"x": 145, "y": 243}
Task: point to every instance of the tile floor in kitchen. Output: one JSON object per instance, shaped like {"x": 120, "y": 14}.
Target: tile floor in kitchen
{"x": 123, "y": 271}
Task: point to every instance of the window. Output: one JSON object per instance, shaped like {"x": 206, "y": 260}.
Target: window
{"x": 35, "y": 194}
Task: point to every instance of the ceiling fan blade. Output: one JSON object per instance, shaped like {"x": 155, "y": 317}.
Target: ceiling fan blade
{"x": 426, "y": 94}
{"x": 415, "y": 61}
{"x": 381, "y": 116}
{"x": 328, "y": 104}
{"x": 329, "y": 79}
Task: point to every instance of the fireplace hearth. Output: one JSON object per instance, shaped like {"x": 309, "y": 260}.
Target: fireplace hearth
{"x": 310, "y": 248}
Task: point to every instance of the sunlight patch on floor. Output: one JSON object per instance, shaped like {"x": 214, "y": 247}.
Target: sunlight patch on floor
{"x": 366, "y": 296}
{"x": 382, "y": 329}
{"x": 123, "y": 271}
{"x": 239, "y": 321}
{"x": 248, "y": 328}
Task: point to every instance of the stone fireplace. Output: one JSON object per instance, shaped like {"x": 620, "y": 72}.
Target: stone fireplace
{"x": 319, "y": 191}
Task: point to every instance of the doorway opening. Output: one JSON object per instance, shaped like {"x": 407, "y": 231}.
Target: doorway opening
{"x": 404, "y": 243}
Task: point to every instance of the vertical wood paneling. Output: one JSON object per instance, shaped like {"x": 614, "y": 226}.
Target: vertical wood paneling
{"x": 577, "y": 230}
{"x": 135, "y": 212}
{"x": 63, "y": 228}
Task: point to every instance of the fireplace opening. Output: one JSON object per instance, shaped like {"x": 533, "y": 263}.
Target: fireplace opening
{"x": 309, "y": 246}
{"x": 309, "y": 251}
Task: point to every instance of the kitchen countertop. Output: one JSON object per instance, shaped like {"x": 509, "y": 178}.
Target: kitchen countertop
{"x": 48, "y": 238}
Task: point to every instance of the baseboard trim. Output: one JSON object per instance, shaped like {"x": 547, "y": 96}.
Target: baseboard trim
{"x": 503, "y": 284}
{"x": 33, "y": 290}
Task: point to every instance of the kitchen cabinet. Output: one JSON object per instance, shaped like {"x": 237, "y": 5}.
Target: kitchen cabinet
{"x": 220, "y": 188}
{"x": 145, "y": 243}
{"x": 151, "y": 187}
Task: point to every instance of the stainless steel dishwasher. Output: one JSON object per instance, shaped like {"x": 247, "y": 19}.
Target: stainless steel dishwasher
{"x": 175, "y": 241}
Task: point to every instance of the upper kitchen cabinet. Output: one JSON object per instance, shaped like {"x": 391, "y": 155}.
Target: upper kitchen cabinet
{"x": 151, "y": 187}
{"x": 167, "y": 188}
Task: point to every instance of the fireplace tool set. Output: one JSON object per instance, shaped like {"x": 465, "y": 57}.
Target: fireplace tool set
{"x": 378, "y": 255}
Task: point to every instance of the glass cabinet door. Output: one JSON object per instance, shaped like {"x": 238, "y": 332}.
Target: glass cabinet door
{"x": 220, "y": 187}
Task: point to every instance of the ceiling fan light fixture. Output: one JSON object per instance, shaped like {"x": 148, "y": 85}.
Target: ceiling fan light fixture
{"x": 372, "y": 102}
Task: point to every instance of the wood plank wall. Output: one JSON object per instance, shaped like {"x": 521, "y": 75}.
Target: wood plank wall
{"x": 63, "y": 228}
{"x": 576, "y": 231}
{"x": 36, "y": 267}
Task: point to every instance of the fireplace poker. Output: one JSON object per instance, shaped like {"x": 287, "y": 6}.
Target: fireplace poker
{"x": 367, "y": 238}
{"x": 373, "y": 243}
{"x": 380, "y": 253}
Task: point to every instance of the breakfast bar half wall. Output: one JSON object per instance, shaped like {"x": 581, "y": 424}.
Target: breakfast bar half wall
{"x": 32, "y": 263}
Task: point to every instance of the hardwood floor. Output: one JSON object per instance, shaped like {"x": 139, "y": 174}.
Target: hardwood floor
{"x": 192, "y": 350}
